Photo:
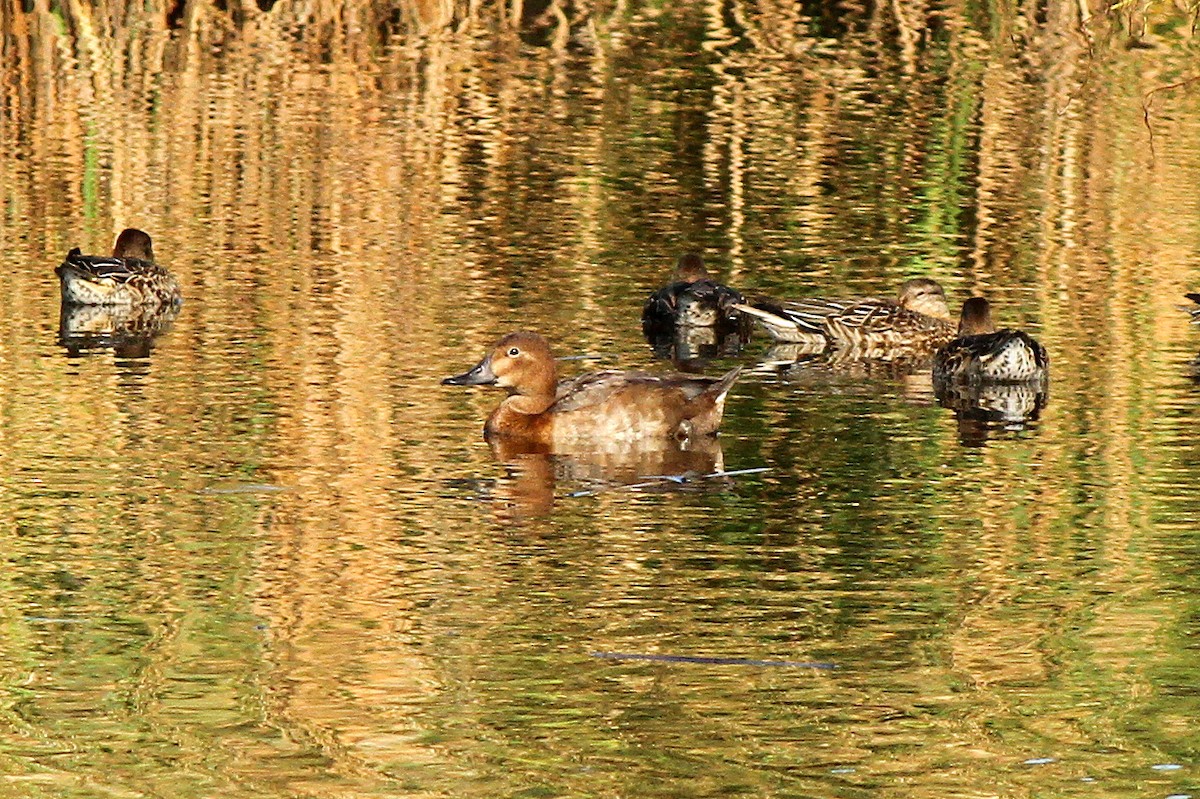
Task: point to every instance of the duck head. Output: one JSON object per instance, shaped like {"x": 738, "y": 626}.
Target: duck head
{"x": 520, "y": 362}
{"x": 690, "y": 268}
{"x": 924, "y": 296}
{"x": 133, "y": 243}
{"x": 976, "y": 318}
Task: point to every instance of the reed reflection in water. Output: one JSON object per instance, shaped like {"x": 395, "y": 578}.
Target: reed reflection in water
{"x": 248, "y": 556}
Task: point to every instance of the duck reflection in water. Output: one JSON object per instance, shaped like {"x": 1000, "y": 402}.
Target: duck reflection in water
{"x": 691, "y": 348}
{"x": 987, "y": 410}
{"x": 843, "y": 368}
{"x": 533, "y": 474}
{"x": 129, "y": 331}
{"x": 692, "y": 319}
{"x": 992, "y": 379}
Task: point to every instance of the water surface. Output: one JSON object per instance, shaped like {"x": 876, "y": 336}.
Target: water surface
{"x": 264, "y": 552}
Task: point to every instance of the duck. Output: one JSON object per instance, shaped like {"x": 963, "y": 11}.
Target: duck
{"x": 1193, "y": 310}
{"x": 596, "y": 408}
{"x": 130, "y": 277}
{"x": 918, "y": 317}
{"x": 692, "y": 298}
{"x": 982, "y": 354}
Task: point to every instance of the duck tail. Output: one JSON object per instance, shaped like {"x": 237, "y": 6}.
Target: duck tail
{"x": 719, "y": 389}
{"x": 702, "y": 414}
{"x": 70, "y": 262}
{"x": 759, "y": 310}
{"x": 782, "y": 325}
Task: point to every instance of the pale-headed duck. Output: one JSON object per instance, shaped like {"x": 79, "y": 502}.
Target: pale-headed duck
{"x": 983, "y": 354}
{"x": 596, "y": 407}
{"x": 692, "y": 298}
{"x": 918, "y": 317}
{"x": 129, "y": 277}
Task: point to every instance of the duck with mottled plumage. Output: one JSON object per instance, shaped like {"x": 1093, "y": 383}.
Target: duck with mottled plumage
{"x": 691, "y": 299}
{"x": 611, "y": 407}
{"x": 918, "y": 317}
{"x": 982, "y": 354}
{"x": 128, "y": 278}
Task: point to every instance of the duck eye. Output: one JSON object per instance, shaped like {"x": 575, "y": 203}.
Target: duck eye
{"x": 513, "y": 352}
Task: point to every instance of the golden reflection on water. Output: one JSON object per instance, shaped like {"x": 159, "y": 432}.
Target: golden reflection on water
{"x": 264, "y": 552}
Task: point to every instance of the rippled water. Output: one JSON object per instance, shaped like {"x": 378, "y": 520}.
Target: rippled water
{"x": 263, "y": 552}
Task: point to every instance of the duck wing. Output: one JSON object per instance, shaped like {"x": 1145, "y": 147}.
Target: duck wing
{"x": 595, "y": 388}
{"x": 712, "y": 293}
{"x": 886, "y": 320}
{"x": 810, "y": 314}
{"x": 121, "y": 270}
{"x": 661, "y": 306}
{"x": 870, "y": 314}
{"x": 800, "y": 321}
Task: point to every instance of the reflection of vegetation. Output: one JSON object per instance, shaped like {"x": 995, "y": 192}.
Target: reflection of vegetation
{"x": 357, "y": 193}
{"x": 91, "y": 178}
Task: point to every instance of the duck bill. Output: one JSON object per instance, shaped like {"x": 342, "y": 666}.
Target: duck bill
{"x": 480, "y": 375}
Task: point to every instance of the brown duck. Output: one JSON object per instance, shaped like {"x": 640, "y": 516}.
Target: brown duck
{"x": 918, "y": 317}
{"x": 130, "y": 277}
{"x": 983, "y": 354}
{"x": 599, "y": 408}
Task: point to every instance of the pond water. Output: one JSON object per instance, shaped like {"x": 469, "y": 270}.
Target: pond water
{"x": 262, "y": 552}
